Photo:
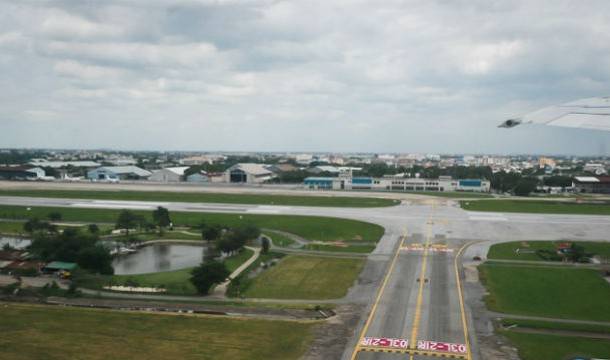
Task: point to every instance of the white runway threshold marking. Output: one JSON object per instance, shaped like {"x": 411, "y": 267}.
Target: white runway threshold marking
{"x": 266, "y": 209}
{"x": 486, "y": 217}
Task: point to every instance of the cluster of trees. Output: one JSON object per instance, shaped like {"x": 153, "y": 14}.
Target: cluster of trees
{"x": 19, "y": 156}
{"x": 72, "y": 245}
{"x": 128, "y": 220}
{"x": 226, "y": 240}
{"x": 207, "y": 274}
{"x": 35, "y": 224}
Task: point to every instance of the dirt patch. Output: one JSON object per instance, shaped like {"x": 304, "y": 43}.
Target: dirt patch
{"x": 331, "y": 337}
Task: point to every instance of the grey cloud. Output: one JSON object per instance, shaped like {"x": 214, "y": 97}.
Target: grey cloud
{"x": 274, "y": 75}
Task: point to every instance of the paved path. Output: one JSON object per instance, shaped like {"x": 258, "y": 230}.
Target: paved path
{"x": 221, "y": 289}
{"x": 300, "y": 241}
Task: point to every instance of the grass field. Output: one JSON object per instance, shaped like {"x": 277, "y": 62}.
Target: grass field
{"x": 45, "y": 332}
{"x": 361, "y": 249}
{"x": 309, "y": 227}
{"x": 453, "y": 194}
{"x": 556, "y": 292}
{"x": 507, "y": 251}
{"x": 166, "y": 235}
{"x": 554, "y": 347}
{"x": 11, "y": 227}
{"x": 537, "y": 206}
{"x": 176, "y": 282}
{"x": 291, "y": 200}
{"x": 306, "y": 277}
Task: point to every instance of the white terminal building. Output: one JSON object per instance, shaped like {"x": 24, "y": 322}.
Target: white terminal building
{"x": 443, "y": 183}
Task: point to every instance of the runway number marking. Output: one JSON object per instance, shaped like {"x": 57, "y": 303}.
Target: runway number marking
{"x": 441, "y": 346}
{"x": 385, "y": 342}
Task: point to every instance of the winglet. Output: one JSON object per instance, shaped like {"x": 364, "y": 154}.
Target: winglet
{"x": 510, "y": 123}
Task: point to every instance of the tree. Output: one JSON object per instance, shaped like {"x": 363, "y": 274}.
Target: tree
{"x": 93, "y": 228}
{"x": 227, "y": 243}
{"x": 54, "y": 216}
{"x": 248, "y": 231}
{"x": 36, "y": 224}
{"x": 208, "y": 274}
{"x": 96, "y": 259}
{"x": 525, "y": 187}
{"x": 210, "y": 232}
{"x": 265, "y": 245}
{"x": 161, "y": 217}
{"x": 126, "y": 220}
{"x": 576, "y": 253}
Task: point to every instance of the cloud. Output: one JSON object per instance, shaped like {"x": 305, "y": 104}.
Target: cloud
{"x": 83, "y": 71}
{"x": 271, "y": 75}
{"x": 62, "y": 24}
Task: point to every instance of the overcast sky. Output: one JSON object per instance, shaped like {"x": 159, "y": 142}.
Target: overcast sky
{"x": 374, "y": 76}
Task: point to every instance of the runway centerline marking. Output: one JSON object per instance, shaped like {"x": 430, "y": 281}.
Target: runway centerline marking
{"x": 420, "y": 293}
{"x": 379, "y": 294}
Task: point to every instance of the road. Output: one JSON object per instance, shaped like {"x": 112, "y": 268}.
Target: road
{"x": 411, "y": 290}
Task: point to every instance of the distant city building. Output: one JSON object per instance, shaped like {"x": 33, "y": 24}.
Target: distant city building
{"x": 200, "y": 160}
{"x": 248, "y": 173}
{"x": 116, "y": 173}
{"x": 171, "y": 174}
{"x": 544, "y": 162}
{"x": 63, "y": 164}
{"x": 597, "y": 169}
{"x": 332, "y": 169}
{"x": 304, "y": 159}
{"x": 592, "y": 184}
{"x": 124, "y": 161}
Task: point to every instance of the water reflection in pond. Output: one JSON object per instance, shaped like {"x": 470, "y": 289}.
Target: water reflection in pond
{"x": 15, "y": 243}
{"x": 157, "y": 257}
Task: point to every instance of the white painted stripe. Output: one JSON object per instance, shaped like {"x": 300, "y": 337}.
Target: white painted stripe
{"x": 487, "y": 218}
{"x": 262, "y": 211}
{"x": 111, "y": 206}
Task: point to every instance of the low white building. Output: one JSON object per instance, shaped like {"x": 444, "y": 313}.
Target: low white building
{"x": 397, "y": 184}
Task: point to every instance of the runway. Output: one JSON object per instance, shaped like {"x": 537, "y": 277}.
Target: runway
{"x": 410, "y": 283}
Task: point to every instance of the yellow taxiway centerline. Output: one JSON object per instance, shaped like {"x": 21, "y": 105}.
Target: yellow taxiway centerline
{"x": 379, "y": 294}
{"x": 461, "y": 297}
{"x": 420, "y": 294}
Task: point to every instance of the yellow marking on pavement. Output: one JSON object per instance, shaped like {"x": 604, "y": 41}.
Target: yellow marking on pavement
{"x": 461, "y": 297}
{"x": 379, "y": 294}
{"x": 420, "y": 293}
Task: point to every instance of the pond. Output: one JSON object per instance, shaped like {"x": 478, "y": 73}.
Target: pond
{"x": 14, "y": 242}
{"x": 157, "y": 258}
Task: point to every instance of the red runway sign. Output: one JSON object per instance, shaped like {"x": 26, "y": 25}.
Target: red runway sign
{"x": 385, "y": 342}
{"x": 441, "y": 346}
